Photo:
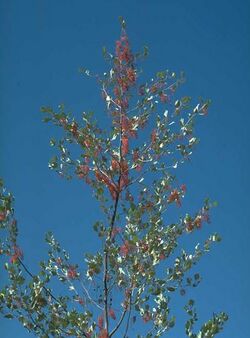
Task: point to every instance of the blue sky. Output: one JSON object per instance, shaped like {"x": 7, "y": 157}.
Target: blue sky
{"x": 43, "y": 43}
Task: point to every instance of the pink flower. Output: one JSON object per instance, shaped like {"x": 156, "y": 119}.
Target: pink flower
{"x": 125, "y": 248}
{"x": 135, "y": 155}
{"x": 198, "y": 221}
{"x": 189, "y": 226}
{"x": 153, "y": 136}
{"x": 162, "y": 256}
{"x": 115, "y": 164}
{"x": 74, "y": 129}
{"x": 131, "y": 75}
{"x": 82, "y": 170}
{"x": 71, "y": 273}
{"x": 101, "y": 177}
{"x": 112, "y": 314}
{"x": 146, "y": 317}
{"x": 80, "y": 300}
{"x": 124, "y": 123}
{"x": 100, "y": 322}
{"x": 125, "y": 145}
{"x": 2, "y": 216}
{"x": 103, "y": 334}
{"x": 138, "y": 167}
{"x": 163, "y": 98}
{"x": 174, "y": 197}
{"x": 18, "y": 254}
{"x": 183, "y": 188}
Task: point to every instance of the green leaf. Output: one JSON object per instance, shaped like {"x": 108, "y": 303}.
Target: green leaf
{"x": 171, "y": 289}
{"x": 9, "y": 316}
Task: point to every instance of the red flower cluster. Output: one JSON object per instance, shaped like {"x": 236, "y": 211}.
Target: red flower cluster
{"x": 123, "y": 51}
{"x": 125, "y": 80}
{"x": 162, "y": 256}
{"x": 103, "y": 334}
{"x": 183, "y": 188}
{"x": 113, "y": 189}
{"x": 2, "y": 216}
{"x": 71, "y": 272}
{"x": 63, "y": 122}
{"x": 74, "y": 129}
{"x": 163, "y": 98}
{"x": 124, "y": 181}
{"x": 131, "y": 75}
{"x": 125, "y": 249}
{"x": 112, "y": 314}
{"x": 196, "y": 223}
{"x": 115, "y": 164}
{"x": 127, "y": 126}
{"x": 146, "y": 317}
{"x": 125, "y": 145}
{"x": 82, "y": 170}
{"x": 153, "y": 136}
{"x": 100, "y": 322}
{"x": 123, "y": 103}
{"x": 174, "y": 197}
{"x": 80, "y": 300}
{"x": 138, "y": 166}
{"x": 16, "y": 255}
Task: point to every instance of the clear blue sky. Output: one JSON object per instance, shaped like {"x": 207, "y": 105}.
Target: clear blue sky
{"x": 43, "y": 43}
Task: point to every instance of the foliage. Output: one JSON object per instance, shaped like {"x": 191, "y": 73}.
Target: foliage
{"x": 129, "y": 282}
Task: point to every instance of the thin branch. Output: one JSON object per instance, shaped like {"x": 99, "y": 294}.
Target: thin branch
{"x": 44, "y": 287}
{"x": 47, "y": 291}
{"x": 129, "y": 314}
{"x": 105, "y": 263}
{"x": 119, "y": 323}
{"x": 89, "y": 297}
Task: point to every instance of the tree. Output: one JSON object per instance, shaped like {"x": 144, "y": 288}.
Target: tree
{"x": 129, "y": 282}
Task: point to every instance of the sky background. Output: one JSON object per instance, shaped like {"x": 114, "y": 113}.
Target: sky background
{"x": 42, "y": 45}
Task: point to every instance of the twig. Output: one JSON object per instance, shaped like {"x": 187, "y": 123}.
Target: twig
{"x": 128, "y": 320}
{"x": 47, "y": 291}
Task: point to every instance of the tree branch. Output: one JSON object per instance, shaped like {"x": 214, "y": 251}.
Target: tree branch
{"x": 105, "y": 263}
{"x": 46, "y": 290}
